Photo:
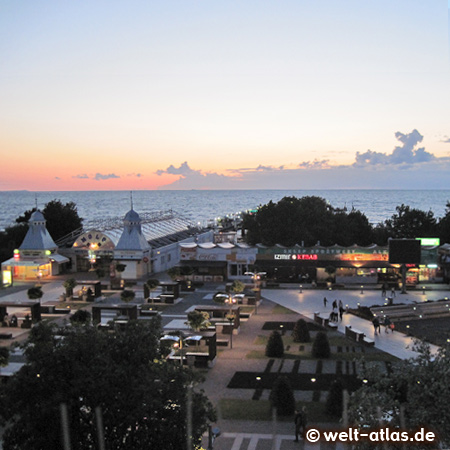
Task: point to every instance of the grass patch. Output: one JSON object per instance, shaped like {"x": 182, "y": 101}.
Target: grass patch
{"x": 261, "y": 340}
{"x": 237, "y": 409}
{"x": 278, "y": 309}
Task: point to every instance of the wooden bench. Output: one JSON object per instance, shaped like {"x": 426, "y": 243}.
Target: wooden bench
{"x": 332, "y": 325}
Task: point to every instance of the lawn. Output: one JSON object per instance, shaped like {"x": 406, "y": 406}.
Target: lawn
{"x": 236, "y": 409}
{"x": 278, "y": 309}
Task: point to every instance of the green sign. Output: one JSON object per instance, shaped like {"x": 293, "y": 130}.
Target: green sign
{"x": 429, "y": 241}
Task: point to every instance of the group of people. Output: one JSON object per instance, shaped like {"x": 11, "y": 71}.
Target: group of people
{"x": 388, "y": 325}
{"x": 337, "y": 309}
{"x": 9, "y": 322}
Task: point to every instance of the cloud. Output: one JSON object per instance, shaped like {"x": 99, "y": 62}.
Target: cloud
{"x": 259, "y": 168}
{"x": 183, "y": 170}
{"x": 196, "y": 179}
{"x": 57, "y": 178}
{"x": 81, "y": 177}
{"x": 446, "y": 140}
{"x": 316, "y": 164}
{"x": 137, "y": 175}
{"x": 408, "y": 166}
{"x": 99, "y": 176}
{"x": 408, "y": 153}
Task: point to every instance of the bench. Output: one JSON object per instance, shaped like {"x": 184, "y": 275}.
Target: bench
{"x": 332, "y": 325}
{"x": 320, "y": 319}
{"x": 6, "y": 335}
{"x": 367, "y": 341}
{"x": 354, "y": 334}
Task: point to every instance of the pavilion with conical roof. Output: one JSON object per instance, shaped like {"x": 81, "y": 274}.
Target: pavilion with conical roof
{"x": 133, "y": 250}
{"x": 37, "y": 257}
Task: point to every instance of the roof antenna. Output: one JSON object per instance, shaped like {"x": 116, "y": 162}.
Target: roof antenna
{"x": 35, "y": 201}
{"x": 131, "y": 199}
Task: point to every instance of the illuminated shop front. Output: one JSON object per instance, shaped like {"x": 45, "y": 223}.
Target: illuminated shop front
{"x": 37, "y": 257}
{"x": 348, "y": 265}
{"x": 353, "y": 264}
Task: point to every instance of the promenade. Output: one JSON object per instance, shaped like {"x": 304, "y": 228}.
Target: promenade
{"x": 267, "y": 435}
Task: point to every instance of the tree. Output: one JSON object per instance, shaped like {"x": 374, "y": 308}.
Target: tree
{"x": 100, "y": 272}
{"x": 174, "y": 273}
{"x": 141, "y": 396}
{"x": 4, "y": 356}
{"x": 411, "y": 223}
{"x": 237, "y": 287}
{"x": 35, "y": 293}
{"x": 62, "y": 219}
{"x": 68, "y": 285}
{"x": 307, "y": 220}
{"x": 321, "y": 346}
{"x": 301, "y": 332}
{"x": 275, "y": 346}
{"x": 282, "y": 397}
{"x": 198, "y": 320}
{"x": 151, "y": 284}
{"x": 330, "y": 271}
{"x": 444, "y": 225}
{"x": 127, "y": 295}
{"x": 418, "y": 386}
{"x": 81, "y": 317}
{"x": 334, "y": 402}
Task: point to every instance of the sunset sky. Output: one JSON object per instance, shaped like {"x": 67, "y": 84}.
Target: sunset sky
{"x": 207, "y": 94}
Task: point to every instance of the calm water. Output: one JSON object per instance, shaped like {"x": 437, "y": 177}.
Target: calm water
{"x": 202, "y": 206}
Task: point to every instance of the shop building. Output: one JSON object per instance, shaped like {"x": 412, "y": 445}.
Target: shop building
{"x": 37, "y": 257}
{"x": 217, "y": 262}
{"x": 145, "y": 244}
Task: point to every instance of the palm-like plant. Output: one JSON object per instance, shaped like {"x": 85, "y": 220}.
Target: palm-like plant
{"x": 127, "y": 295}
{"x": 35, "y": 293}
{"x": 68, "y": 285}
{"x": 151, "y": 284}
{"x": 198, "y": 320}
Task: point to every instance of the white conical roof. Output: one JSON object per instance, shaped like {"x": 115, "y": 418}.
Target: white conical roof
{"x": 37, "y": 237}
{"x": 132, "y": 237}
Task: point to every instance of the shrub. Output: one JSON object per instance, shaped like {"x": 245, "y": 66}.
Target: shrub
{"x": 275, "y": 346}
{"x": 127, "y": 295}
{"x": 301, "y": 332}
{"x": 81, "y": 317}
{"x": 282, "y": 397}
{"x": 321, "y": 346}
{"x": 334, "y": 402}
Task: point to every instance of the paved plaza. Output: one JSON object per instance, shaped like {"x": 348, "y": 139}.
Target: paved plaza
{"x": 260, "y": 435}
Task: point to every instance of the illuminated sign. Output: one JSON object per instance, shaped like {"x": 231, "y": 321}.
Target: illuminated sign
{"x": 429, "y": 241}
{"x": 295, "y": 256}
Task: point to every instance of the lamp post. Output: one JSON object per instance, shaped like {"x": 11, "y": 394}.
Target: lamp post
{"x": 256, "y": 276}
{"x": 230, "y": 316}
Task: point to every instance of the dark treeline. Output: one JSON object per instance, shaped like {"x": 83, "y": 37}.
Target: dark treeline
{"x": 62, "y": 219}
{"x": 309, "y": 220}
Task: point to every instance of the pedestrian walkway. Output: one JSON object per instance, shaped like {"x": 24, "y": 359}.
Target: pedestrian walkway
{"x": 252, "y": 441}
{"x": 307, "y": 302}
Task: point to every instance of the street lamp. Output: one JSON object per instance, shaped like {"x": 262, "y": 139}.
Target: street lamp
{"x": 179, "y": 341}
{"x": 256, "y": 276}
{"x": 231, "y": 300}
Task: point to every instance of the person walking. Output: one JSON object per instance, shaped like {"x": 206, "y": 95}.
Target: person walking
{"x": 387, "y": 324}
{"x": 325, "y": 301}
{"x": 383, "y": 290}
{"x": 300, "y": 420}
{"x": 376, "y": 325}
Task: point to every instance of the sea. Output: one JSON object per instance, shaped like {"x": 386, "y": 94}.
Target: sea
{"x": 203, "y": 206}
